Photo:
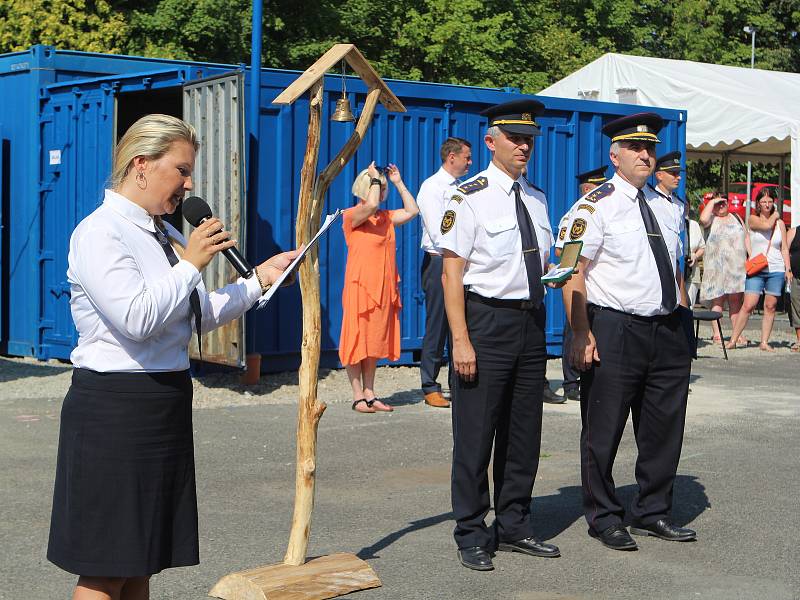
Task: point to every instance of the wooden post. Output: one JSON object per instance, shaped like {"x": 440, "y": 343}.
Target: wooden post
{"x": 337, "y": 574}
{"x": 310, "y": 409}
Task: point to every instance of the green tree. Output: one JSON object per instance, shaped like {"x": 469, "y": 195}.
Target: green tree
{"x": 90, "y": 25}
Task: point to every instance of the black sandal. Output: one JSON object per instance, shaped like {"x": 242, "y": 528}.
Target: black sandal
{"x": 365, "y": 401}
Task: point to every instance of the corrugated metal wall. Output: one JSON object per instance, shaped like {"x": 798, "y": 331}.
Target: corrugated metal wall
{"x": 216, "y": 109}
{"x": 571, "y": 142}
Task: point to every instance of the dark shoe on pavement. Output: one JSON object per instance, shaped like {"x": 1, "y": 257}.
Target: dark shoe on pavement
{"x": 572, "y": 393}
{"x": 531, "y": 546}
{"x": 666, "y": 530}
{"x": 436, "y": 399}
{"x": 475, "y": 558}
{"x": 615, "y": 537}
{"x": 550, "y": 397}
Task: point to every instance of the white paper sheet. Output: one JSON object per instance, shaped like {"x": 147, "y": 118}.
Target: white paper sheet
{"x": 271, "y": 291}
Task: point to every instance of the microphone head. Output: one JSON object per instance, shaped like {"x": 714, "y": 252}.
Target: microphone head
{"x": 195, "y": 210}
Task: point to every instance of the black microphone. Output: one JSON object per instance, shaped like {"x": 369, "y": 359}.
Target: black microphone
{"x": 196, "y": 211}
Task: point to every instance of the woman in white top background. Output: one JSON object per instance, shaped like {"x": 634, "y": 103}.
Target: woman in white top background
{"x": 124, "y": 502}
{"x": 768, "y": 237}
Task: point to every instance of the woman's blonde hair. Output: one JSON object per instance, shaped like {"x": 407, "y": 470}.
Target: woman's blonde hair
{"x": 361, "y": 184}
{"x": 151, "y": 137}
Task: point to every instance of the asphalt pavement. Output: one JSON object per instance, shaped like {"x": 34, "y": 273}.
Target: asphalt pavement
{"x": 383, "y": 493}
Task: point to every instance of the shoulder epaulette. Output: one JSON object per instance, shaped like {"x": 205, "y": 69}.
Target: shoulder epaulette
{"x": 599, "y": 192}
{"x": 473, "y": 186}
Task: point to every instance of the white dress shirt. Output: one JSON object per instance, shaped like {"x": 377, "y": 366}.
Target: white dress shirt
{"x": 622, "y": 272}
{"x": 130, "y": 307}
{"x": 432, "y": 199}
{"x": 485, "y": 233}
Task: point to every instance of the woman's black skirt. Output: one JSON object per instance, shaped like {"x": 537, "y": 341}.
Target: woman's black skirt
{"x": 125, "y": 503}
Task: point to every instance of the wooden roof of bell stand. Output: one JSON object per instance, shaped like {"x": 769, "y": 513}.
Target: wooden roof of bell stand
{"x": 329, "y": 60}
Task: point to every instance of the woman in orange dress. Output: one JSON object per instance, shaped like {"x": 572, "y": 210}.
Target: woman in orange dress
{"x": 370, "y": 299}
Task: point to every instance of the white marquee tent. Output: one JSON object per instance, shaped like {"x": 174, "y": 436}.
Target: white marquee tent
{"x": 733, "y": 113}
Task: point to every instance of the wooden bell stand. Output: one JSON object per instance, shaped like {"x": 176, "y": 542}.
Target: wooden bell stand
{"x": 336, "y": 574}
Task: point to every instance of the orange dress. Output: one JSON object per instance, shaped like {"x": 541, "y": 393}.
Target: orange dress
{"x": 370, "y": 300}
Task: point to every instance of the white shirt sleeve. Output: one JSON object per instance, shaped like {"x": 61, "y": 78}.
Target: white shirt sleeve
{"x": 228, "y": 303}
{"x": 459, "y": 234}
{"x": 431, "y": 203}
{"x": 112, "y": 280}
{"x": 587, "y": 226}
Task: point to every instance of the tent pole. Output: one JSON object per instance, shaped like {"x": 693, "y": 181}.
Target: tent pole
{"x": 749, "y": 185}
{"x": 725, "y": 172}
{"x": 781, "y": 184}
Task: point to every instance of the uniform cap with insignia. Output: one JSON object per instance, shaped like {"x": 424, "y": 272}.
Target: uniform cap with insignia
{"x": 594, "y": 176}
{"x": 515, "y": 117}
{"x": 669, "y": 162}
{"x": 641, "y": 127}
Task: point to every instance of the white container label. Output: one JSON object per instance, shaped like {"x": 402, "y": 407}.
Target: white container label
{"x": 55, "y": 157}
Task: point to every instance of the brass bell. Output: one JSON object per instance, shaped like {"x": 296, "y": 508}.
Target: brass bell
{"x": 343, "y": 112}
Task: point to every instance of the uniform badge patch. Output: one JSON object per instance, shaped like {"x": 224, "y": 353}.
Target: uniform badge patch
{"x": 600, "y": 192}
{"x": 577, "y": 230}
{"x": 562, "y": 234}
{"x": 448, "y": 220}
{"x": 473, "y": 186}
{"x": 588, "y": 207}
{"x": 457, "y": 198}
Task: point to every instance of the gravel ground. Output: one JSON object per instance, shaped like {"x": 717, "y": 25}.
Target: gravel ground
{"x": 27, "y": 377}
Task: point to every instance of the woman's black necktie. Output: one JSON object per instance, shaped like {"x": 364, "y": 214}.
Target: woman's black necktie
{"x": 530, "y": 250}
{"x": 666, "y": 272}
{"x": 194, "y": 297}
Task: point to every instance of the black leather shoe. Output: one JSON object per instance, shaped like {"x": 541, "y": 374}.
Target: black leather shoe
{"x": 615, "y": 537}
{"x": 572, "y": 394}
{"x": 530, "y": 546}
{"x": 665, "y": 530}
{"x": 475, "y": 558}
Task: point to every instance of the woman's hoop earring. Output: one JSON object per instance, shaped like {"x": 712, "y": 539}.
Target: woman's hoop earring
{"x": 141, "y": 180}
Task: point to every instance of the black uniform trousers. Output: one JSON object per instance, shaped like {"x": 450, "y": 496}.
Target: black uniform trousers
{"x": 643, "y": 370}
{"x": 502, "y": 405}
{"x": 436, "y": 328}
{"x": 571, "y": 374}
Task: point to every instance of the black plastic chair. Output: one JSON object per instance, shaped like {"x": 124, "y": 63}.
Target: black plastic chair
{"x": 708, "y": 315}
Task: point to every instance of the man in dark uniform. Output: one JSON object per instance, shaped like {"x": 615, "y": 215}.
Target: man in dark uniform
{"x": 587, "y": 181}
{"x": 495, "y": 240}
{"x": 628, "y": 338}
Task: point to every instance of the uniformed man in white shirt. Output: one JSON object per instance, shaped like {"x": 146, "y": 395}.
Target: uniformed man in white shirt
{"x": 587, "y": 181}
{"x": 495, "y": 240}
{"x": 434, "y": 194}
{"x": 668, "y": 178}
{"x": 629, "y": 337}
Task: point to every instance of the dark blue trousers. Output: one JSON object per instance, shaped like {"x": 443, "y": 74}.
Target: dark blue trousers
{"x": 436, "y": 328}
{"x": 502, "y": 406}
{"x": 643, "y": 371}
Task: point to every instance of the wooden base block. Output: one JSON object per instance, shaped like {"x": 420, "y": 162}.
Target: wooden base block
{"x": 323, "y": 577}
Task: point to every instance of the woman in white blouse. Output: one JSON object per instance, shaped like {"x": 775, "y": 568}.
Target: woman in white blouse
{"x": 124, "y": 504}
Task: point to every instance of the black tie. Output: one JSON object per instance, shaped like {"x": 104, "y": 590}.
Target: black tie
{"x": 666, "y": 273}
{"x": 194, "y": 297}
{"x": 530, "y": 250}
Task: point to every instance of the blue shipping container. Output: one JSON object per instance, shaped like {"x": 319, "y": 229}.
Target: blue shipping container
{"x": 62, "y": 112}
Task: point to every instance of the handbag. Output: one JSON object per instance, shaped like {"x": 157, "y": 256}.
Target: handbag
{"x": 758, "y": 263}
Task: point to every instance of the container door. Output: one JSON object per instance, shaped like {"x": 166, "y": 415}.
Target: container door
{"x": 77, "y": 129}
{"x": 4, "y": 272}
{"x": 215, "y": 107}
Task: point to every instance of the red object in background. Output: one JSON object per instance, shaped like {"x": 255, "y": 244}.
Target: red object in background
{"x": 737, "y": 195}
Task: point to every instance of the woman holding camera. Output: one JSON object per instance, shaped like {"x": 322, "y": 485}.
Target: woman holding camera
{"x": 727, "y": 247}
{"x": 767, "y": 237}
{"x": 370, "y": 298}
{"x": 124, "y": 500}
